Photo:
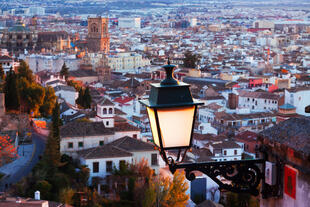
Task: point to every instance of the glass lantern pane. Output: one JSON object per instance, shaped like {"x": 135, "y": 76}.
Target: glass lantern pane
{"x": 152, "y": 120}
{"x": 176, "y": 125}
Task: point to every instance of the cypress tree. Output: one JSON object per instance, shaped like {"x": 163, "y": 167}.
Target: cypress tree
{"x": 52, "y": 150}
{"x": 11, "y": 91}
{"x": 80, "y": 99}
{"x": 87, "y": 98}
{"x": 56, "y": 125}
{"x": 64, "y": 71}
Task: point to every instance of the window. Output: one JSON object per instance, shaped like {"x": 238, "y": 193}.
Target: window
{"x": 109, "y": 166}
{"x": 235, "y": 152}
{"x": 70, "y": 145}
{"x": 101, "y": 143}
{"x": 110, "y": 111}
{"x": 134, "y": 136}
{"x": 154, "y": 159}
{"x": 104, "y": 111}
{"x": 225, "y": 152}
{"x": 95, "y": 167}
{"x": 81, "y": 144}
{"x": 107, "y": 123}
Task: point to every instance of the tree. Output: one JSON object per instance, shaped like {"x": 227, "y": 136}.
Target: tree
{"x": 11, "y": 91}
{"x": 87, "y": 98}
{"x": 49, "y": 101}
{"x": 45, "y": 189}
{"x": 66, "y": 196}
{"x": 64, "y": 71}
{"x": 24, "y": 71}
{"x": 7, "y": 149}
{"x": 31, "y": 95}
{"x": 84, "y": 98}
{"x": 56, "y": 124}
{"x": 150, "y": 196}
{"x": 80, "y": 99}
{"x": 190, "y": 60}
{"x": 177, "y": 190}
{"x": 52, "y": 150}
{"x": 146, "y": 189}
{"x": 2, "y": 76}
{"x": 77, "y": 85}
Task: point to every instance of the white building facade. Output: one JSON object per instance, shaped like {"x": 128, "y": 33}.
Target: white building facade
{"x": 127, "y": 61}
{"x": 129, "y": 22}
{"x": 52, "y": 63}
{"x": 298, "y": 97}
{"x": 226, "y": 151}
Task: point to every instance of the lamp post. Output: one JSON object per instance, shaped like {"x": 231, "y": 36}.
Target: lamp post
{"x": 172, "y": 111}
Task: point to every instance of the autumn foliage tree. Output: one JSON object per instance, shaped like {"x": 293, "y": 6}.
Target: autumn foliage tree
{"x": 7, "y": 149}
{"x": 49, "y": 101}
{"x": 148, "y": 190}
{"x": 24, "y": 94}
{"x": 31, "y": 95}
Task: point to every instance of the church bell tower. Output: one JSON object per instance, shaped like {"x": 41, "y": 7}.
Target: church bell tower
{"x": 98, "y": 38}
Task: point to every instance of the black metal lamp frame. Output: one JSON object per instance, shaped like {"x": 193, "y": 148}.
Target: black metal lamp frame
{"x": 241, "y": 176}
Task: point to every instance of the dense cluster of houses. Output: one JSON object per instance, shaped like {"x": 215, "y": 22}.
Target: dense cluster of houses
{"x": 252, "y": 74}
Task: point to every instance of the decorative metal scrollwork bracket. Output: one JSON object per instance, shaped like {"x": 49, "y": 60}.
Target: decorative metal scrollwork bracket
{"x": 240, "y": 176}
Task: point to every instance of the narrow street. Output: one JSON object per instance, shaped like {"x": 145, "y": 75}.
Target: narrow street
{"x": 38, "y": 147}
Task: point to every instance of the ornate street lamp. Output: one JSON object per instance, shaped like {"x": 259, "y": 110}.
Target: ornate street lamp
{"x": 172, "y": 111}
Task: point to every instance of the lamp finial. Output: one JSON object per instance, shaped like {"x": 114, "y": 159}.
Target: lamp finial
{"x": 169, "y": 75}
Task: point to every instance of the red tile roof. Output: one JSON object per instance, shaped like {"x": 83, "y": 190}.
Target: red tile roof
{"x": 247, "y": 136}
{"x": 123, "y": 100}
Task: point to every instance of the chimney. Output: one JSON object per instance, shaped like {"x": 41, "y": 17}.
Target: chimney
{"x": 37, "y": 195}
